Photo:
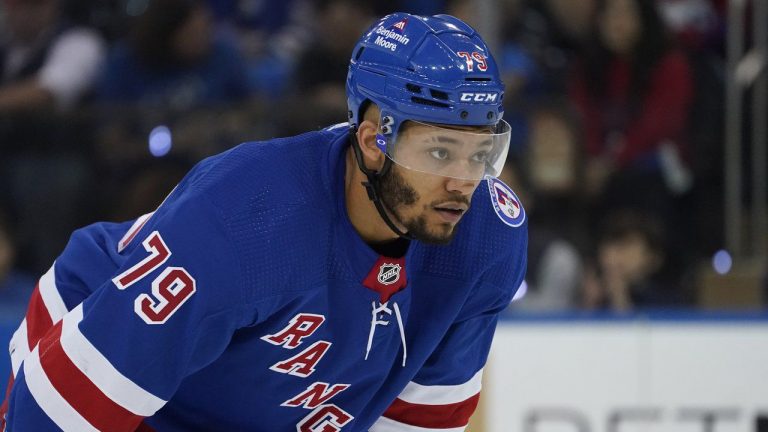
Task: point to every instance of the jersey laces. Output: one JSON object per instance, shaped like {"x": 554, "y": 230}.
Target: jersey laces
{"x": 382, "y": 309}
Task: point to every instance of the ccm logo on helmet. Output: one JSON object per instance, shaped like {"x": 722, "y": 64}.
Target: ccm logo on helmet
{"x": 479, "y": 97}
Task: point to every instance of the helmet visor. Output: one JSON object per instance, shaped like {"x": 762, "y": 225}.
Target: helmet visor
{"x": 460, "y": 153}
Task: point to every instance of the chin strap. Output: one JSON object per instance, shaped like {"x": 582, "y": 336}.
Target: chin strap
{"x": 372, "y": 185}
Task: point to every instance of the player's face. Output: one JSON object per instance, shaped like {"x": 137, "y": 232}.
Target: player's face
{"x": 428, "y": 206}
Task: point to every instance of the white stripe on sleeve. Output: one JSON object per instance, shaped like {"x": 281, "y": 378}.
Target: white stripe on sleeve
{"x": 49, "y": 400}
{"x": 19, "y": 347}
{"x": 51, "y": 297}
{"x": 100, "y": 371}
{"x": 442, "y": 394}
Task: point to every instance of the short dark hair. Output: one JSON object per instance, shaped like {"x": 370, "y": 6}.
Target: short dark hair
{"x": 621, "y": 224}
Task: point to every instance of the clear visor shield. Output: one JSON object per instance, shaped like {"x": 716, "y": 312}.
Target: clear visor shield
{"x": 460, "y": 153}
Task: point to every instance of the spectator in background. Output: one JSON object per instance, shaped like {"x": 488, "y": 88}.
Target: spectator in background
{"x": 699, "y": 26}
{"x": 538, "y": 42}
{"x": 540, "y": 39}
{"x": 47, "y": 68}
{"x": 173, "y": 69}
{"x": 173, "y": 58}
{"x": 695, "y": 23}
{"x": 634, "y": 92}
{"x": 322, "y": 94}
{"x": 550, "y": 184}
{"x": 558, "y": 32}
{"x": 272, "y": 35}
{"x": 633, "y": 268}
{"x": 15, "y": 285}
{"x": 44, "y": 63}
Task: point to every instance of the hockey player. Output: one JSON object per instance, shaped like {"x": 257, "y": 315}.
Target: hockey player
{"x": 336, "y": 280}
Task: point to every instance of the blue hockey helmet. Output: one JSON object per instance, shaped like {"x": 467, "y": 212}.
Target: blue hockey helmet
{"x": 433, "y": 71}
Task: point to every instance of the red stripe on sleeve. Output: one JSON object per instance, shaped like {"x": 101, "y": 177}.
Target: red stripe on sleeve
{"x": 82, "y": 394}
{"x": 38, "y": 323}
{"x": 38, "y": 319}
{"x": 433, "y": 416}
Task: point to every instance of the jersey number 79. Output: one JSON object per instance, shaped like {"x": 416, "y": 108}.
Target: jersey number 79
{"x": 170, "y": 289}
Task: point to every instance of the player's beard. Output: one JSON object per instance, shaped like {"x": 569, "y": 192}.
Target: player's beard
{"x": 397, "y": 194}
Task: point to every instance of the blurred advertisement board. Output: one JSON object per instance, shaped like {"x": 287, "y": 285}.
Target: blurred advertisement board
{"x": 628, "y": 376}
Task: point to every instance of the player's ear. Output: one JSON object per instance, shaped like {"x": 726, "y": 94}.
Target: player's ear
{"x": 366, "y": 136}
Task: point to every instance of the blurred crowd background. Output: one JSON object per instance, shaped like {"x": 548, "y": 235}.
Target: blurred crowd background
{"x": 617, "y": 109}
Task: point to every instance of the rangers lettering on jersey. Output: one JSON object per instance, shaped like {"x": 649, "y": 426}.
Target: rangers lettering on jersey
{"x": 316, "y": 394}
{"x": 300, "y": 327}
{"x": 303, "y": 364}
{"x": 328, "y": 417}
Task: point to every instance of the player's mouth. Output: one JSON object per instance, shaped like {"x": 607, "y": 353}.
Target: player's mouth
{"x": 451, "y": 212}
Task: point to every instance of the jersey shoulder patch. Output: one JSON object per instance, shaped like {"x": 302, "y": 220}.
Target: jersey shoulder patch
{"x": 506, "y": 204}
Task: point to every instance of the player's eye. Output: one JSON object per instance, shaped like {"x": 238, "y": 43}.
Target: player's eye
{"x": 439, "y": 153}
{"x": 480, "y": 157}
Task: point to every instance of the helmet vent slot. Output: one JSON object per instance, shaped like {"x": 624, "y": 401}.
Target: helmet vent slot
{"x": 477, "y": 79}
{"x": 437, "y": 94}
{"x": 359, "y": 53}
{"x": 413, "y": 88}
{"x": 428, "y": 102}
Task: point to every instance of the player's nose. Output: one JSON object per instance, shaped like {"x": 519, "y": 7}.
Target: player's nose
{"x": 463, "y": 186}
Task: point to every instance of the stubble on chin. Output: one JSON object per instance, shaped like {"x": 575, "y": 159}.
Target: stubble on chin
{"x": 396, "y": 194}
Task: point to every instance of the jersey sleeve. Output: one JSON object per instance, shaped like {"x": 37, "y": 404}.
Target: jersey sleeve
{"x": 169, "y": 308}
{"x": 84, "y": 265}
{"x": 445, "y": 392}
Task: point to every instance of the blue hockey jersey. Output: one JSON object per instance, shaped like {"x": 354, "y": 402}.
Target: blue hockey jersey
{"x": 248, "y": 302}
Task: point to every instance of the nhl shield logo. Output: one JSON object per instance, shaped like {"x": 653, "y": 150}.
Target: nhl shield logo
{"x": 389, "y": 273}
